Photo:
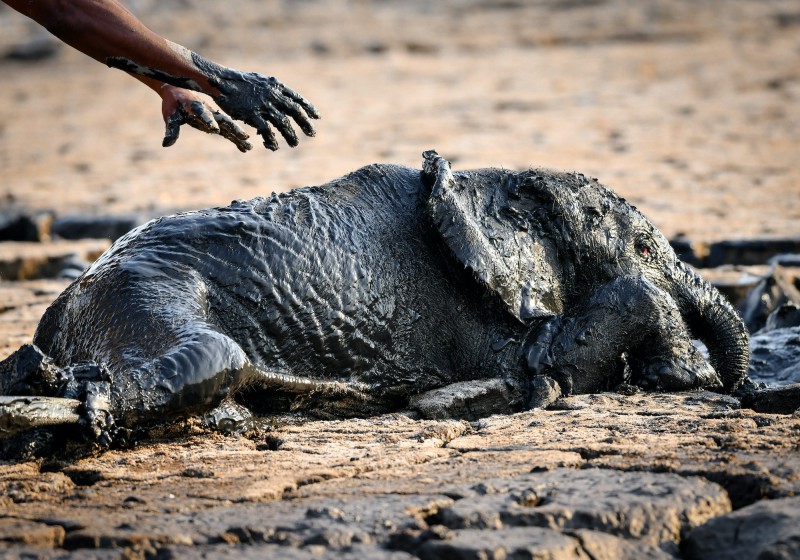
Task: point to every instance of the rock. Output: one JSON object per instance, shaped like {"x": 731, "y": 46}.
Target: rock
{"x": 261, "y": 551}
{"x": 21, "y": 531}
{"x": 750, "y": 251}
{"x": 21, "y": 226}
{"x": 786, "y": 259}
{"x": 601, "y": 546}
{"x": 41, "y": 46}
{"x": 774, "y": 400}
{"x": 229, "y": 417}
{"x": 734, "y": 282}
{"x": 80, "y": 226}
{"x": 690, "y": 252}
{"x": 775, "y": 356}
{"x": 778, "y": 287}
{"x": 544, "y": 391}
{"x": 27, "y": 260}
{"x": 767, "y": 530}
{"x": 654, "y": 508}
{"x": 535, "y": 543}
{"x": 786, "y": 316}
{"x": 518, "y": 542}
{"x": 469, "y": 400}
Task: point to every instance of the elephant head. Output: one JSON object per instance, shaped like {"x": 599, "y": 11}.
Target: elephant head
{"x": 545, "y": 241}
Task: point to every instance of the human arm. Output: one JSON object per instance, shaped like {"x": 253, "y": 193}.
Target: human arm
{"x": 106, "y": 31}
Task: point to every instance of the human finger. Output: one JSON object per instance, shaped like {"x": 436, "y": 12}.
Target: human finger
{"x": 232, "y": 131}
{"x": 302, "y": 101}
{"x": 283, "y": 124}
{"x": 202, "y": 119}
{"x": 264, "y": 131}
{"x": 173, "y": 128}
{"x": 296, "y": 112}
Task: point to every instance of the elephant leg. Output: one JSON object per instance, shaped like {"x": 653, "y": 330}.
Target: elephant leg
{"x": 192, "y": 376}
{"x": 628, "y": 318}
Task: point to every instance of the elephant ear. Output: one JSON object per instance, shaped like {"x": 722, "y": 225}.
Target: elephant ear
{"x": 474, "y": 214}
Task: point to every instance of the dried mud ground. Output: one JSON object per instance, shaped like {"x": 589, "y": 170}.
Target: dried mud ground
{"x": 689, "y": 109}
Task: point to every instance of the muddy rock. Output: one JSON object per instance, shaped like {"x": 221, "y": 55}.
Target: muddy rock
{"x": 690, "y": 252}
{"x": 653, "y": 508}
{"x": 734, "y": 282}
{"x": 768, "y": 529}
{"x": 780, "y": 286}
{"x": 470, "y": 400}
{"x": 750, "y": 251}
{"x": 775, "y": 356}
{"x": 84, "y": 226}
{"x": 29, "y": 260}
{"x": 536, "y": 542}
{"x": 784, "y": 317}
{"x": 25, "y": 226}
{"x": 774, "y": 400}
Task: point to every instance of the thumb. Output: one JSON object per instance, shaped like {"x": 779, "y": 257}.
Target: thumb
{"x": 173, "y": 129}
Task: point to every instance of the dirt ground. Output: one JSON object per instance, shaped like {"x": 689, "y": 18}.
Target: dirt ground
{"x": 688, "y": 108}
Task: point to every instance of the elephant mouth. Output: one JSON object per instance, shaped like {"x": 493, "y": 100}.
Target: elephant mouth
{"x": 693, "y": 372}
{"x": 630, "y": 332}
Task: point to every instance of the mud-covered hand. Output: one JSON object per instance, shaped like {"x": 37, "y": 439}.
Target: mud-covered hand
{"x": 180, "y": 106}
{"x": 260, "y": 101}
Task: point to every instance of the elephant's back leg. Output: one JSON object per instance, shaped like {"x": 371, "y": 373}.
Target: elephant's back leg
{"x": 153, "y": 334}
{"x": 191, "y": 376}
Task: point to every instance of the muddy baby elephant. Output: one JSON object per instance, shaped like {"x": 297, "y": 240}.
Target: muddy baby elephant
{"x": 381, "y": 287}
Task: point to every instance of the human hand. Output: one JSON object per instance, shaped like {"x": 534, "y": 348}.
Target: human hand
{"x": 180, "y": 106}
{"x": 260, "y": 101}
{"x": 257, "y": 100}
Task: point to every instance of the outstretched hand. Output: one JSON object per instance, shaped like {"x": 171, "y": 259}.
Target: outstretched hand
{"x": 180, "y": 106}
{"x": 261, "y": 101}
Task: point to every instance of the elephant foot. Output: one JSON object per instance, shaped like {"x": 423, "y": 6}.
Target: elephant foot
{"x": 90, "y": 384}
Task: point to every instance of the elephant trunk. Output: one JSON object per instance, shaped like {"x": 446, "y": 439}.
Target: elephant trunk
{"x": 712, "y": 319}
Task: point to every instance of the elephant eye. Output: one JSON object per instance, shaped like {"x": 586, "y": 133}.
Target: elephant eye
{"x": 643, "y": 249}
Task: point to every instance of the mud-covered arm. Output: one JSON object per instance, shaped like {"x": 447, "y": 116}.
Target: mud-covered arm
{"x": 109, "y": 33}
